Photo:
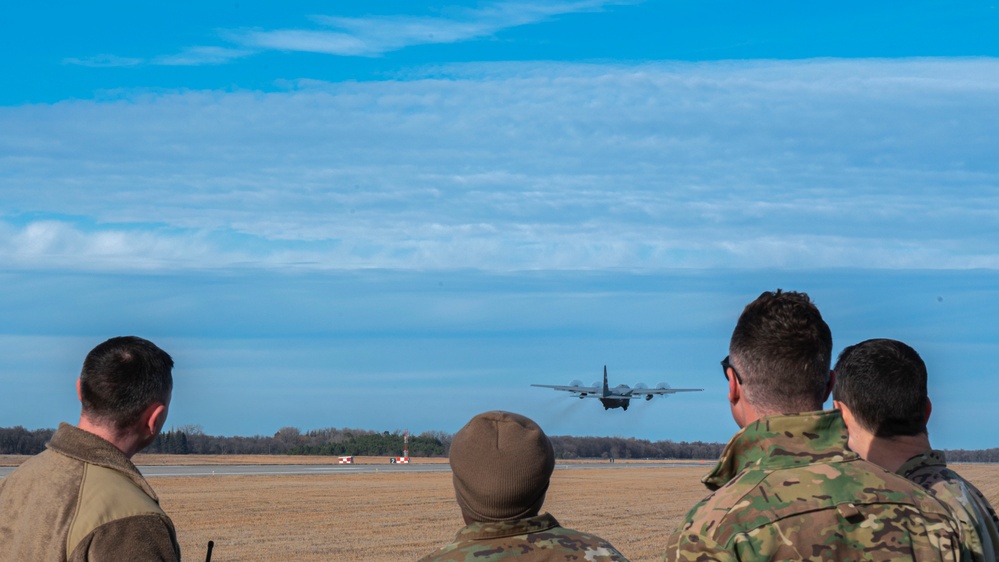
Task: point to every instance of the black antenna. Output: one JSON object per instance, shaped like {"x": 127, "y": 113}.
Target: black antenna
{"x": 211, "y": 545}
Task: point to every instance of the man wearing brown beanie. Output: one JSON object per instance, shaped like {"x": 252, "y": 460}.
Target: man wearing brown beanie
{"x": 502, "y": 464}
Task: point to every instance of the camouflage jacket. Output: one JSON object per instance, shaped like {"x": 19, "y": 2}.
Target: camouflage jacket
{"x": 976, "y": 516}
{"x": 534, "y": 539}
{"x": 787, "y": 488}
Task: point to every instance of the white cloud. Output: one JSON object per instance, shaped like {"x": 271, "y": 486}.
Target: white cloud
{"x": 51, "y": 244}
{"x": 103, "y": 61}
{"x": 537, "y": 166}
{"x": 205, "y": 55}
{"x": 309, "y": 41}
{"x": 376, "y": 35}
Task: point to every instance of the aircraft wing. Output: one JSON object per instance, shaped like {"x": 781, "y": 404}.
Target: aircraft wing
{"x": 660, "y": 391}
{"x": 583, "y": 390}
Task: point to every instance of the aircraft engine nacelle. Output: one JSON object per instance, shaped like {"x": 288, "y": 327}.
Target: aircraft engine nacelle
{"x": 643, "y": 386}
{"x": 663, "y": 385}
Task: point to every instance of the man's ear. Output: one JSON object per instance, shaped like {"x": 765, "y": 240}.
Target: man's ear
{"x": 153, "y": 418}
{"x": 830, "y": 384}
{"x": 79, "y": 393}
{"x": 929, "y": 409}
{"x": 734, "y": 390}
{"x": 844, "y": 410}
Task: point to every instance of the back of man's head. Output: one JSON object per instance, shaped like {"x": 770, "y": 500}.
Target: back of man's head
{"x": 883, "y": 383}
{"x": 501, "y": 464}
{"x": 783, "y": 349}
{"x": 121, "y": 378}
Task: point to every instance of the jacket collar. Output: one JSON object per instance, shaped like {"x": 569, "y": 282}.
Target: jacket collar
{"x": 84, "y": 446}
{"x": 498, "y": 529}
{"x": 783, "y": 441}
{"x": 925, "y": 459}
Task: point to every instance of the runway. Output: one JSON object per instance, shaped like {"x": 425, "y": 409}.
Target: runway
{"x": 345, "y": 469}
{"x": 286, "y": 469}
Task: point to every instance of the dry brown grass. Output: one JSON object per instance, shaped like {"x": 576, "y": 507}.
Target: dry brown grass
{"x": 399, "y": 516}
{"x": 13, "y": 460}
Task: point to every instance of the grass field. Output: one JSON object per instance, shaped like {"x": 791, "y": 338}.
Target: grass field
{"x": 393, "y": 516}
{"x": 397, "y": 516}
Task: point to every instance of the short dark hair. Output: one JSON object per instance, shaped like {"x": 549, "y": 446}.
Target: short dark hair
{"x": 122, "y": 377}
{"x": 783, "y": 348}
{"x": 883, "y": 382}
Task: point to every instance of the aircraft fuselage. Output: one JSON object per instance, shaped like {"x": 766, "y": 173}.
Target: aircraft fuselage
{"x": 615, "y": 403}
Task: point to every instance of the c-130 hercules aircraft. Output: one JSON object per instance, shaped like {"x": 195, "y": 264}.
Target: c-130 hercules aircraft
{"x": 618, "y": 397}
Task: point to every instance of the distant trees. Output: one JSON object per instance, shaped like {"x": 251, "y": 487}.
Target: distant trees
{"x": 368, "y": 443}
{"x": 173, "y": 442}
{"x": 291, "y": 441}
{"x": 19, "y": 441}
{"x": 191, "y": 439}
{"x": 980, "y": 455}
{"x": 568, "y": 447}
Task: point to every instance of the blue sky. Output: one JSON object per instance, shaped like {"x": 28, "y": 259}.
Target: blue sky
{"x": 396, "y": 215}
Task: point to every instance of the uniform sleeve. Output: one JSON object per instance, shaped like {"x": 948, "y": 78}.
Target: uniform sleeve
{"x": 142, "y": 538}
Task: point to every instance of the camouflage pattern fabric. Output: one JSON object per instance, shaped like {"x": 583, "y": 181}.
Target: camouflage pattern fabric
{"x": 787, "y": 488}
{"x": 979, "y": 523}
{"x": 534, "y": 539}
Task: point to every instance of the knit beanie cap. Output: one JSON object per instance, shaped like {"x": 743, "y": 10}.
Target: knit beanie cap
{"x": 501, "y": 464}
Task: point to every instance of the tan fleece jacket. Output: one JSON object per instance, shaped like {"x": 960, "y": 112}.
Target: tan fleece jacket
{"x": 82, "y": 500}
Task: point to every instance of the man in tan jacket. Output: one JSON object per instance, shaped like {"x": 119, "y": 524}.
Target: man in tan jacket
{"x": 83, "y": 499}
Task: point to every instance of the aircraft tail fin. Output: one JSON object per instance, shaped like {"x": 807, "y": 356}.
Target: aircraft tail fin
{"x": 606, "y": 387}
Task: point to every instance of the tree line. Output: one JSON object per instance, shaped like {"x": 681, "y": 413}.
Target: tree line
{"x": 191, "y": 439}
{"x": 292, "y": 441}
{"x": 20, "y": 441}
{"x": 567, "y": 447}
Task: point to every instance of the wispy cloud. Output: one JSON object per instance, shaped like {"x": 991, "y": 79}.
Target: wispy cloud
{"x": 43, "y": 243}
{"x": 197, "y": 56}
{"x": 104, "y": 61}
{"x": 540, "y": 166}
{"x": 376, "y": 35}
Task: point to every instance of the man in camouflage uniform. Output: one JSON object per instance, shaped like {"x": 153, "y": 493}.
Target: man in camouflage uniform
{"x": 881, "y": 390}
{"x": 502, "y": 464}
{"x": 786, "y": 487}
